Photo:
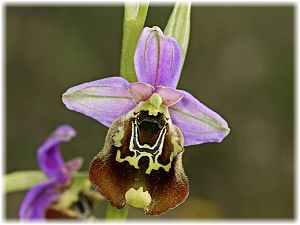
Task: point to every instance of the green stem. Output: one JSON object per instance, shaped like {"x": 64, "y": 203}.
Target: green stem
{"x": 134, "y": 19}
{"x": 113, "y": 213}
{"x": 24, "y": 180}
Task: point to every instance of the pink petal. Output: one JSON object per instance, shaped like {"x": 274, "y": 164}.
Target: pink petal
{"x": 170, "y": 96}
{"x": 140, "y": 91}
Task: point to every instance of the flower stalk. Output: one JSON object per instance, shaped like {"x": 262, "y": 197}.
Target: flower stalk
{"x": 134, "y": 19}
{"x": 113, "y": 213}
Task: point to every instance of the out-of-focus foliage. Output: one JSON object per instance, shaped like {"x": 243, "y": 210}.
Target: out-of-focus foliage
{"x": 239, "y": 63}
{"x": 22, "y": 180}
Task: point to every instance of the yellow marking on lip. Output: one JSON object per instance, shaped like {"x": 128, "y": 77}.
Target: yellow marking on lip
{"x": 153, "y": 159}
{"x": 117, "y": 138}
{"x": 138, "y": 198}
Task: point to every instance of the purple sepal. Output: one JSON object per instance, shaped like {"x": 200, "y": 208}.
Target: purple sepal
{"x": 198, "y": 123}
{"x": 49, "y": 155}
{"x": 103, "y": 100}
{"x": 157, "y": 58}
{"x": 37, "y": 200}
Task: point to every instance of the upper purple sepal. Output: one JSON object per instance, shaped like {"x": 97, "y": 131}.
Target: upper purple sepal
{"x": 157, "y": 59}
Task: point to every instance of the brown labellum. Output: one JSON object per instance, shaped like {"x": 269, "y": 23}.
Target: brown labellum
{"x": 141, "y": 163}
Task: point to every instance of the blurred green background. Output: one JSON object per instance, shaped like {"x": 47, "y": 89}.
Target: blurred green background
{"x": 240, "y": 63}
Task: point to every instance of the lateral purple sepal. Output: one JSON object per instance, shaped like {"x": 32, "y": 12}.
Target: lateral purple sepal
{"x": 197, "y": 122}
{"x": 103, "y": 100}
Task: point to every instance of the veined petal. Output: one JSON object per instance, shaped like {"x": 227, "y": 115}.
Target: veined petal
{"x": 49, "y": 155}
{"x": 127, "y": 171}
{"x": 140, "y": 91}
{"x": 37, "y": 200}
{"x": 103, "y": 100}
{"x": 198, "y": 123}
{"x": 170, "y": 96}
{"x": 157, "y": 58}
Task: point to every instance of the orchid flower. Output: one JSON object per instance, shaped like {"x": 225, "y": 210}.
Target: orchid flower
{"x": 150, "y": 122}
{"x": 39, "y": 201}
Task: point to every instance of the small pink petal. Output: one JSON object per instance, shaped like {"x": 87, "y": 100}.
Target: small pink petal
{"x": 140, "y": 91}
{"x": 74, "y": 164}
{"x": 170, "y": 96}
